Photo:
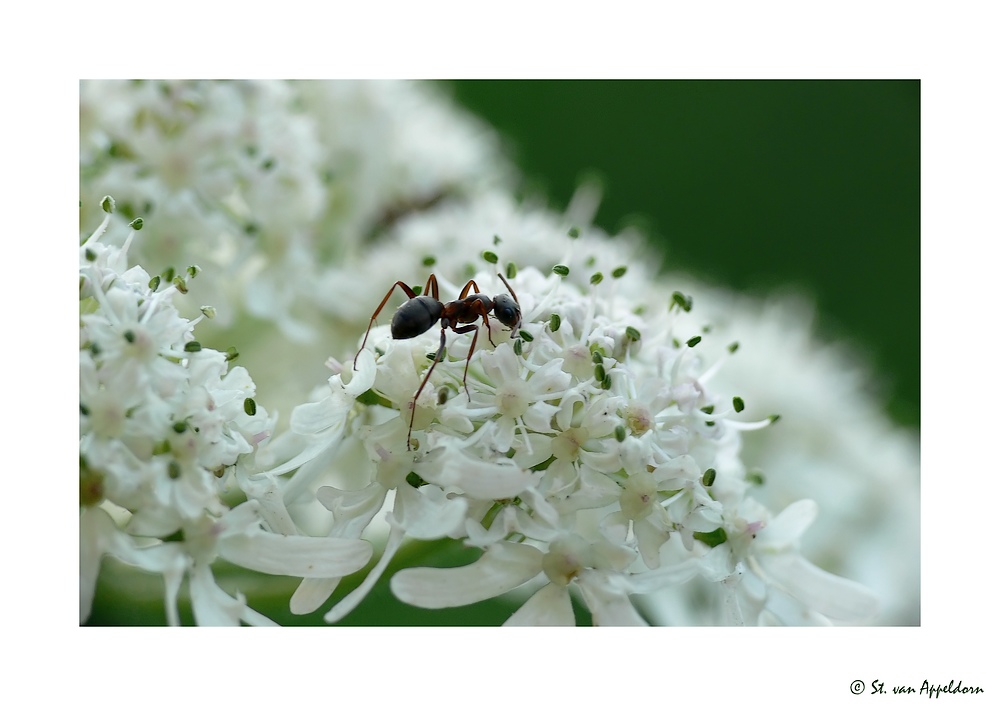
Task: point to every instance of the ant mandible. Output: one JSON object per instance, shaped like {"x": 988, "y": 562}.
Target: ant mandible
{"x": 420, "y": 313}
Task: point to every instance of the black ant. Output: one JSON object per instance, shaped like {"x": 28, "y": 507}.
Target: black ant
{"x": 420, "y": 313}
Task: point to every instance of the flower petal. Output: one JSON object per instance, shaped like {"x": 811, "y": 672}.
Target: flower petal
{"x": 363, "y": 378}
{"x": 325, "y": 415}
{"x": 311, "y": 594}
{"x": 649, "y": 538}
{"x": 663, "y": 577}
{"x": 96, "y": 528}
{"x": 352, "y": 510}
{"x": 281, "y": 555}
{"x": 549, "y": 606}
{"x": 213, "y": 606}
{"x": 608, "y": 604}
{"x": 833, "y": 596}
{"x": 264, "y": 490}
{"x": 501, "y": 568}
{"x": 500, "y": 364}
{"x": 428, "y": 514}
{"x": 479, "y": 479}
{"x": 354, "y": 598}
{"x": 785, "y": 530}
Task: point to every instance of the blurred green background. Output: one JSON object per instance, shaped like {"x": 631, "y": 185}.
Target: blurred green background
{"x": 755, "y": 185}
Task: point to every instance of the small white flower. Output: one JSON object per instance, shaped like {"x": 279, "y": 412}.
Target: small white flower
{"x": 517, "y": 397}
{"x": 790, "y": 589}
{"x": 597, "y": 568}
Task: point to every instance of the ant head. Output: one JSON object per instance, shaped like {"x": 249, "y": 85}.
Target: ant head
{"x": 507, "y": 311}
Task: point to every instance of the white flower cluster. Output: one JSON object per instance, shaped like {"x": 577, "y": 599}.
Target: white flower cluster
{"x": 833, "y": 443}
{"x": 163, "y": 424}
{"x": 587, "y": 451}
{"x": 268, "y": 185}
{"x": 266, "y": 182}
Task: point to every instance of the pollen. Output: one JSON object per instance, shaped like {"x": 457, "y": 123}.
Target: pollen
{"x": 638, "y": 418}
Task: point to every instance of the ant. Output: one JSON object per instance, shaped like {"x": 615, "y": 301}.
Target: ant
{"x": 420, "y": 313}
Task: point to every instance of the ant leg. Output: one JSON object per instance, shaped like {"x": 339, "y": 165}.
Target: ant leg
{"x": 480, "y": 310}
{"x": 465, "y": 290}
{"x": 437, "y": 357}
{"x": 413, "y": 402}
{"x": 407, "y": 291}
{"x": 431, "y": 288}
{"x": 472, "y": 349}
{"x": 471, "y": 284}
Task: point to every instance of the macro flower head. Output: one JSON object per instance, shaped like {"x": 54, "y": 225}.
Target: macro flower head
{"x": 595, "y": 432}
{"x": 582, "y": 452}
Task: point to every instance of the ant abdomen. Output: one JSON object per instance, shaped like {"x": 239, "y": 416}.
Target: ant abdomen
{"x": 415, "y": 317}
